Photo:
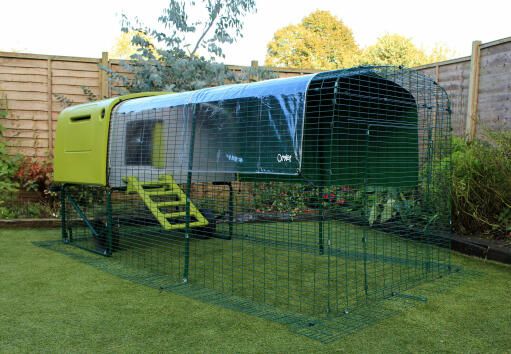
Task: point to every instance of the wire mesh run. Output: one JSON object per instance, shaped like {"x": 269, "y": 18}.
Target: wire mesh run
{"x": 316, "y": 202}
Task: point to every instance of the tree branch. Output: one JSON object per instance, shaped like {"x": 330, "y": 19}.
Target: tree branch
{"x": 215, "y": 12}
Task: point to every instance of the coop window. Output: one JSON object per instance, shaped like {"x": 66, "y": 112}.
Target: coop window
{"x": 139, "y": 142}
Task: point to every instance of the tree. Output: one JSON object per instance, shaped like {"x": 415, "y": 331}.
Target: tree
{"x": 320, "y": 41}
{"x": 393, "y": 49}
{"x": 179, "y": 62}
{"x": 123, "y": 47}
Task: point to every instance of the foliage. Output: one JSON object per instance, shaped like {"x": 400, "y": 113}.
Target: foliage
{"x": 177, "y": 65}
{"x": 67, "y": 102}
{"x": 373, "y": 204}
{"x": 19, "y": 172}
{"x": 30, "y": 175}
{"x": 481, "y": 185}
{"x": 123, "y": 47}
{"x": 63, "y": 100}
{"x": 393, "y": 49}
{"x": 320, "y": 41}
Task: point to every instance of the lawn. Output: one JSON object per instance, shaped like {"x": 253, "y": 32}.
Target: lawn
{"x": 50, "y": 302}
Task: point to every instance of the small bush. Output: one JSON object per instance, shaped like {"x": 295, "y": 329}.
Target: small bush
{"x": 34, "y": 175}
{"x": 481, "y": 185}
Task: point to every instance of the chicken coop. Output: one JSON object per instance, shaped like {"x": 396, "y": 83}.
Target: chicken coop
{"x": 316, "y": 193}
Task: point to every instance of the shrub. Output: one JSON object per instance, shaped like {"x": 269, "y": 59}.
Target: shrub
{"x": 481, "y": 185}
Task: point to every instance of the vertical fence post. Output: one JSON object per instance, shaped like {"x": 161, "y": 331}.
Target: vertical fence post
{"x": 103, "y": 85}
{"x": 473, "y": 91}
{"x": 254, "y": 65}
{"x": 49, "y": 91}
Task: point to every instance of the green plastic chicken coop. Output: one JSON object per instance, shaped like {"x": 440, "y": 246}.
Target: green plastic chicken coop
{"x": 316, "y": 194}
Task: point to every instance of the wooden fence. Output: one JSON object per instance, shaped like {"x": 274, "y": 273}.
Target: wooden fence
{"x": 479, "y": 87}
{"x": 30, "y": 81}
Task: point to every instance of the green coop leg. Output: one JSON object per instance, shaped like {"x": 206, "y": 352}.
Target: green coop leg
{"x": 231, "y": 210}
{"x": 109, "y": 221}
{"x": 63, "y": 213}
{"x": 187, "y": 205}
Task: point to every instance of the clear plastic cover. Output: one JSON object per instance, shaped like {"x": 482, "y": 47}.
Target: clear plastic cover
{"x": 245, "y": 128}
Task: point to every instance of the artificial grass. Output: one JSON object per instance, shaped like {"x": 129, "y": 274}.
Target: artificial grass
{"x": 279, "y": 263}
{"x": 50, "y": 302}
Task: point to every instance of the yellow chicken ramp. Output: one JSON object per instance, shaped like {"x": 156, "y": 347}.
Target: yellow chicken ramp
{"x": 165, "y": 186}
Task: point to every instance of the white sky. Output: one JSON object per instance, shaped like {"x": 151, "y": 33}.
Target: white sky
{"x": 86, "y": 28}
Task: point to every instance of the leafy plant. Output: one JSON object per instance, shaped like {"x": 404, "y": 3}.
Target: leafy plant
{"x": 31, "y": 210}
{"x": 4, "y": 109}
{"x": 278, "y": 197}
{"x": 8, "y": 164}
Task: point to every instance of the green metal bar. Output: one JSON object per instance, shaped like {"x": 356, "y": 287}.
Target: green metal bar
{"x": 109, "y": 221}
{"x": 82, "y": 215}
{"x": 364, "y": 237}
{"x": 63, "y": 213}
{"x": 231, "y": 210}
{"x": 187, "y": 206}
{"x": 428, "y": 198}
{"x": 320, "y": 223}
{"x": 89, "y": 249}
{"x": 329, "y": 183}
{"x": 411, "y": 297}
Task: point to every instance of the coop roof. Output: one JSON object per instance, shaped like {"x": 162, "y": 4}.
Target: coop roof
{"x": 259, "y": 127}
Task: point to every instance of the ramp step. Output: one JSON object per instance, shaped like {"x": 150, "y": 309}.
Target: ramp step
{"x": 168, "y": 187}
{"x": 171, "y": 203}
{"x": 175, "y": 215}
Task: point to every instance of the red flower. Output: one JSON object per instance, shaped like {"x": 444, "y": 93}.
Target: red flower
{"x": 282, "y": 193}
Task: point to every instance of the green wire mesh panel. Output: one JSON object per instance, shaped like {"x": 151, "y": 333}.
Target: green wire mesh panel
{"x": 315, "y": 201}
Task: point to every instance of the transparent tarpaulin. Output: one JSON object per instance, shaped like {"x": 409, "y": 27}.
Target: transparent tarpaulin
{"x": 244, "y": 128}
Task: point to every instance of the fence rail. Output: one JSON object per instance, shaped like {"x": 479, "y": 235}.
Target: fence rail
{"x": 479, "y": 87}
